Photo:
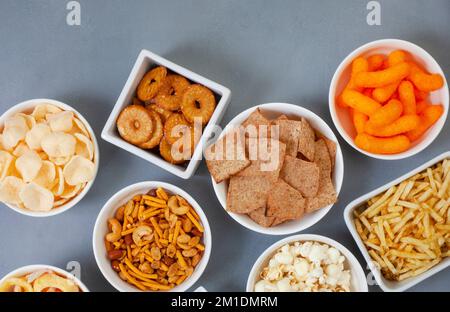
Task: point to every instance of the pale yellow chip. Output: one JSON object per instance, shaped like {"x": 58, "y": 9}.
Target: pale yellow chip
{"x": 15, "y": 131}
{"x": 5, "y": 162}
{"x": 60, "y": 202}
{"x": 10, "y": 189}
{"x": 58, "y": 189}
{"x": 31, "y": 122}
{"x": 43, "y": 109}
{"x": 84, "y": 146}
{"x": 29, "y": 165}
{"x": 36, "y": 197}
{"x": 60, "y": 161}
{"x": 80, "y": 127}
{"x": 59, "y": 144}
{"x": 62, "y": 121}
{"x": 78, "y": 170}
{"x": 70, "y": 191}
{"x": 46, "y": 175}
{"x": 20, "y": 149}
{"x": 36, "y": 134}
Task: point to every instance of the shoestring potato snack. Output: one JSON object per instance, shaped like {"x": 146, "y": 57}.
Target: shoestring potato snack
{"x": 305, "y": 267}
{"x": 46, "y": 158}
{"x": 39, "y": 281}
{"x": 164, "y": 111}
{"x": 406, "y": 229}
{"x": 387, "y": 97}
{"x": 155, "y": 241}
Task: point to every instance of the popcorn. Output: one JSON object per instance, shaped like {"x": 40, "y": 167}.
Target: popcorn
{"x": 305, "y": 267}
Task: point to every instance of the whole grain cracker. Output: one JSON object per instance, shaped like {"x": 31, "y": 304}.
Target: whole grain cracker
{"x": 246, "y": 194}
{"x": 285, "y": 202}
{"x": 306, "y": 140}
{"x": 301, "y": 175}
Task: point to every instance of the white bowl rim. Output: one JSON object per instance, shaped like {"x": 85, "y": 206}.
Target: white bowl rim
{"x": 55, "y": 211}
{"x": 332, "y": 105}
{"x": 351, "y": 259}
{"x": 301, "y": 112}
{"x": 109, "y": 206}
{"x": 21, "y": 271}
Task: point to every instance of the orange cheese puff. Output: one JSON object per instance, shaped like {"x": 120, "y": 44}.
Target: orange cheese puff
{"x": 359, "y": 120}
{"x": 423, "y": 81}
{"x": 392, "y": 145}
{"x": 386, "y": 114}
{"x": 368, "y": 92}
{"x": 396, "y": 57}
{"x": 360, "y": 102}
{"x": 420, "y": 95}
{"x": 428, "y": 117}
{"x": 382, "y": 94}
{"x": 375, "y": 61}
{"x": 421, "y": 106}
{"x": 383, "y": 77}
{"x": 359, "y": 64}
{"x": 402, "y": 125}
{"x": 407, "y": 97}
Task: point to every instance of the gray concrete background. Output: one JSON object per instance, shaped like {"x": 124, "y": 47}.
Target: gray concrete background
{"x": 263, "y": 51}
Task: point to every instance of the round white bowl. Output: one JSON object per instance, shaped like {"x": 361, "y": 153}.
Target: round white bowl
{"x": 109, "y": 210}
{"x": 341, "y": 116}
{"x": 358, "y": 279}
{"x": 38, "y": 267}
{"x": 273, "y": 110}
{"x": 27, "y": 107}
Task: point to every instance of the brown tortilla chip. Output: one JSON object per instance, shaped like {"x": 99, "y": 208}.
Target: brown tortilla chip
{"x": 246, "y": 194}
{"x": 281, "y": 117}
{"x": 327, "y": 193}
{"x": 306, "y": 140}
{"x": 332, "y": 147}
{"x": 301, "y": 175}
{"x": 256, "y": 125}
{"x": 263, "y": 162}
{"x": 289, "y": 133}
{"x": 259, "y": 216}
{"x": 226, "y": 157}
{"x": 285, "y": 202}
{"x": 278, "y": 221}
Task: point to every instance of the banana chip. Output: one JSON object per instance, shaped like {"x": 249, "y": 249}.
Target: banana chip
{"x": 10, "y": 189}
{"x": 36, "y": 198}
{"x": 80, "y": 127}
{"x": 5, "y": 162}
{"x": 60, "y": 161}
{"x": 61, "y": 121}
{"x": 58, "y": 189}
{"x": 84, "y": 146}
{"x": 78, "y": 170}
{"x": 36, "y": 134}
{"x": 70, "y": 191}
{"x": 41, "y": 110}
{"x": 51, "y": 280}
{"x": 20, "y": 149}
{"x": 29, "y": 165}
{"x": 29, "y": 119}
{"x": 46, "y": 175}
{"x": 59, "y": 144}
{"x": 15, "y": 130}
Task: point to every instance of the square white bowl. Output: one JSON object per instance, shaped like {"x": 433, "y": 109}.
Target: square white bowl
{"x": 387, "y": 285}
{"x": 145, "y": 61}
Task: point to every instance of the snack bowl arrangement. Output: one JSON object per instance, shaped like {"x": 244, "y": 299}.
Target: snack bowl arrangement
{"x": 63, "y": 129}
{"x": 420, "y": 235}
{"x": 47, "y": 277}
{"x": 112, "y": 270}
{"x": 302, "y": 259}
{"x": 275, "y": 110}
{"x": 423, "y": 61}
{"x": 140, "y": 85}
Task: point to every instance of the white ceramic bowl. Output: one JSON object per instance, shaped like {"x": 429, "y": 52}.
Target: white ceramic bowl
{"x": 109, "y": 210}
{"x": 27, "y": 107}
{"x": 273, "y": 110}
{"x": 341, "y": 116}
{"x": 358, "y": 280}
{"x": 144, "y": 62}
{"x": 38, "y": 267}
{"x": 388, "y": 285}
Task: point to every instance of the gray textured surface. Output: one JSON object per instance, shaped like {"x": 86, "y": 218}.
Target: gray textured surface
{"x": 263, "y": 51}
